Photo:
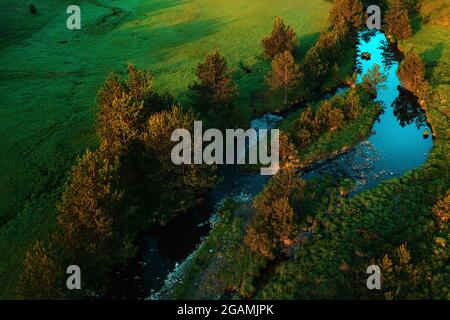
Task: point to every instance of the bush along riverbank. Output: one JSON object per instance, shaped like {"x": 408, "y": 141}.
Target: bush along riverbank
{"x": 333, "y": 126}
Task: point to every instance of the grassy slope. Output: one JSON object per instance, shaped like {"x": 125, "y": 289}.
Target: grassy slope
{"x": 49, "y": 77}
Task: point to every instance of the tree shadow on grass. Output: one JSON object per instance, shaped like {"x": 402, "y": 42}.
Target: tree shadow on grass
{"x": 306, "y": 41}
{"x": 433, "y": 54}
{"x": 155, "y": 7}
{"x": 164, "y": 39}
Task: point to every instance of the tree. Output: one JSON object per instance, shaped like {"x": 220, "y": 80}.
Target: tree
{"x": 335, "y": 118}
{"x": 168, "y": 189}
{"x": 441, "y": 211}
{"x": 303, "y": 128}
{"x": 321, "y": 120}
{"x": 314, "y": 67}
{"x": 350, "y": 10}
{"x": 214, "y": 93}
{"x": 307, "y": 118}
{"x": 92, "y": 218}
{"x": 397, "y": 20}
{"x": 401, "y": 278}
{"x": 42, "y": 277}
{"x": 271, "y": 229}
{"x": 124, "y": 105}
{"x": 282, "y": 222}
{"x": 281, "y": 39}
{"x": 412, "y": 72}
{"x": 285, "y": 73}
{"x": 303, "y": 138}
{"x": 288, "y": 151}
{"x": 352, "y": 105}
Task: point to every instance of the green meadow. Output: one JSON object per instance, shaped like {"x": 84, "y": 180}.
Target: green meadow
{"x": 49, "y": 77}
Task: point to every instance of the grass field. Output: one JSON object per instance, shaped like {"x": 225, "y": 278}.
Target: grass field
{"x": 49, "y": 77}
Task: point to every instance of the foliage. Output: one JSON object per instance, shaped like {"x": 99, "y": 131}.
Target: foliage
{"x": 42, "y": 277}
{"x": 282, "y": 39}
{"x": 285, "y": 73}
{"x": 214, "y": 93}
{"x": 165, "y": 188}
{"x": 411, "y": 73}
{"x": 329, "y": 118}
{"x": 350, "y": 10}
{"x": 435, "y": 12}
{"x": 271, "y": 229}
{"x": 92, "y": 219}
{"x": 40, "y": 150}
{"x": 397, "y": 20}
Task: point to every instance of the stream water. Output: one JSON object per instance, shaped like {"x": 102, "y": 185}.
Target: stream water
{"x": 397, "y": 145}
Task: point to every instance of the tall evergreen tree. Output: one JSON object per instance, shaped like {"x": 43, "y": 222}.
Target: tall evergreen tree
{"x": 42, "y": 277}
{"x": 285, "y": 73}
{"x": 412, "y": 72}
{"x": 214, "y": 93}
{"x": 92, "y": 218}
{"x": 350, "y": 10}
{"x": 282, "y": 38}
{"x": 397, "y": 20}
{"x": 167, "y": 189}
{"x": 270, "y": 229}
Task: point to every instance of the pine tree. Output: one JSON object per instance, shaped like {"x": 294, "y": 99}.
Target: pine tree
{"x": 282, "y": 38}
{"x": 214, "y": 93}
{"x": 166, "y": 188}
{"x": 285, "y": 73}
{"x": 123, "y": 106}
{"x": 91, "y": 217}
{"x": 303, "y": 138}
{"x": 282, "y": 222}
{"x": 352, "y": 105}
{"x": 441, "y": 211}
{"x": 270, "y": 230}
{"x": 412, "y": 72}
{"x": 401, "y": 278}
{"x": 42, "y": 277}
{"x": 350, "y": 10}
{"x": 397, "y": 20}
{"x": 335, "y": 118}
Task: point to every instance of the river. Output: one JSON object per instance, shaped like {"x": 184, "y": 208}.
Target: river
{"x": 396, "y": 145}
